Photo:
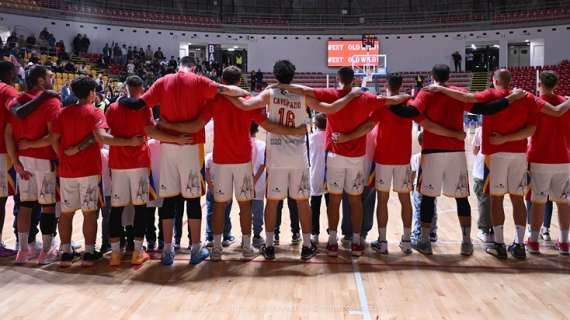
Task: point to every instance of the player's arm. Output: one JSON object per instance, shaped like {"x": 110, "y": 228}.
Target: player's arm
{"x": 497, "y": 138}
{"x": 405, "y": 111}
{"x": 23, "y": 110}
{"x": 258, "y": 174}
{"x": 466, "y": 97}
{"x": 231, "y": 90}
{"x": 556, "y": 111}
{"x": 84, "y": 144}
{"x": 361, "y": 131}
{"x": 297, "y": 89}
{"x": 104, "y": 137}
{"x": 395, "y": 100}
{"x": 13, "y": 153}
{"x": 132, "y": 103}
{"x": 257, "y": 102}
{"x": 499, "y": 105}
{"x": 442, "y": 131}
{"x": 186, "y": 126}
{"x": 156, "y": 133}
{"x": 283, "y": 130}
{"x": 334, "y": 107}
{"x": 39, "y": 143}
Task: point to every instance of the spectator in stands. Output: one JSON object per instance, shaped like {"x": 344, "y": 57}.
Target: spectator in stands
{"x": 124, "y": 53}
{"x": 117, "y": 53}
{"x": 173, "y": 63}
{"x": 68, "y": 66}
{"x": 259, "y": 79}
{"x": 148, "y": 53}
{"x": 130, "y": 53}
{"x": 84, "y": 44}
{"x": 22, "y": 41}
{"x": 457, "y": 61}
{"x": 107, "y": 54}
{"x": 51, "y": 41}
{"x": 158, "y": 55}
{"x": 76, "y": 44}
{"x": 31, "y": 41}
{"x": 59, "y": 48}
{"x": 44, "y": 34}
{"x": 141, "y": 54}
{"x": 65, "y": 90}
{"x": 12, "y": 40}
{"x": 252, "y": 80}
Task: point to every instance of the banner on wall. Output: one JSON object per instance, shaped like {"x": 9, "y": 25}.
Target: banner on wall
{"x": 341, "y": 52}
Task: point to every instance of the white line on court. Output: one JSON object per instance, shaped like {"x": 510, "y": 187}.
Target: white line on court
{"x": 361, "y": 293}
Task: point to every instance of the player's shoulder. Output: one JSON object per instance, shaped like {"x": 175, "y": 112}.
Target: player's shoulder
{"x": 462, "y": 89}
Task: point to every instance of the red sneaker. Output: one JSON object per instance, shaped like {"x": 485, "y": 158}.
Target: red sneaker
{"x": 357, "y": 249}
{"x": 532, "y": 246}
{"x": 332, "y": 249}
{"x": 563, "y": 248}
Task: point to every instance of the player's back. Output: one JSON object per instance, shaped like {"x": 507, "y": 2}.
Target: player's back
{"x": 550, "y": 143}
{"x": 289, "y": 110}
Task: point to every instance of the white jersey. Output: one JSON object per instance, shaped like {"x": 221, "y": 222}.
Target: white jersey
{"x": 287, "y": 151}
{"x": 318, "y": 156}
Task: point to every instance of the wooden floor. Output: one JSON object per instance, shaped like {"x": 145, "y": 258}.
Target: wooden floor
{"x": 444, "y": 286}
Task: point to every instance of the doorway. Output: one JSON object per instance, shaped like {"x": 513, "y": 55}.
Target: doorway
{"x": 482, "y": 56}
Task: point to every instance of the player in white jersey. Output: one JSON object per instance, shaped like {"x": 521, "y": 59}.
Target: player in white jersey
{"x": 287, "y": 156}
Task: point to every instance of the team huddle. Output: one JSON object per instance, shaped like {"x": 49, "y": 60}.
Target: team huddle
{"x": 56, "y": 153}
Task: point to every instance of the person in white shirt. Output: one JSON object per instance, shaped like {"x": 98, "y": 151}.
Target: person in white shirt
{"x": 483, "y": 201}
{"x": 317, "y": 156}
{"x": 106, "y": 210}
{"x": 228, "y": 238}
{"x": 258, "y": 161}
{"x": 417, "y": 199}
{"x": 150, "y": 233}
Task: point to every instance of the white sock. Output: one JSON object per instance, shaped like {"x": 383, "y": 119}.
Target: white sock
{"x": 195, "y": 248}
{"x": 246, "y": 241}
{"x": 217, "y": 241}
{"x": 563, "y": 236}
{"x": 407, "y": 234}
{"x": 138, "y": 245}
{"x": 499, "y": 236}
{"x": 269, "y": 237}
{"x": 307, "y": 240}
{"x": 534, "y": 235}
{"x": 46, "y": 242}
{"x": 66, "y": 247}
{"x": 23, "y": 236}
{"x": 382, "y": 234}
{"x": 332, "y": 237}
{"x": 356, "y": 238}
{"x": 116, "y": 246}
{"x": 466, "y": 233}
{"x": 167, "y": 247}
{"x": 90, "y": 248}
{"x": 520, "y": 234}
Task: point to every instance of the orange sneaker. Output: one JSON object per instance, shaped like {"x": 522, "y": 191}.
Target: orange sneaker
{"x": 139, "y": 257}
{"x": 115, "y": 259}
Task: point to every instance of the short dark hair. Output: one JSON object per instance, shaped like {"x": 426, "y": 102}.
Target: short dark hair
{"x": 35, "y": 73}
{"x": 82, "y": 86}
{"x": 6, "y": 70}
{"x": 503, "y": 76}
{"x": 321, "y": 121}
{"x": 548, "y": 79}
{"x": 394, "y": 81}
{"x": 134, "y": 81}
{"x": 253, "y": 129}
{"x": 231, "y": 75}
{"x": 346, "y": 75}
{"x": 440, "y": 72}
{"x": 187, "y": 61}
{"x": 284, "y": 71}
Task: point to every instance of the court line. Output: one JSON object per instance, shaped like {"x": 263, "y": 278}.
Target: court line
{"x": 361, "y": 292}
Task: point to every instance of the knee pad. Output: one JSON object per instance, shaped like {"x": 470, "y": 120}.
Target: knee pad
{"x": 168, "y": 209}
{"x": 427, "y": 209}
{"x": 29, "y": 204}
{"x": 463, "y": 207}
{"x": 194, "y": 208}
{"x": 115, "y": 222}
{"x": 48, "y": 223}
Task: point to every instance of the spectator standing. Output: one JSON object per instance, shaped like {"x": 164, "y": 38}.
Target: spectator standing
{"x": 457, "y": 61}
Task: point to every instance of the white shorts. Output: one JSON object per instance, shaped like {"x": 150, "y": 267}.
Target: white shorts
{"x": 508, "y": 173}
{"x": 444, "y": 170}
{"x": 4, "y": 191}
{"x": 181, "y": 170}
{"x": 42, "y": 185}
{"x": 345, "y": 174}
{"x": 129, "y": 186}
{"x": 397, "y": 176}
{"x": 230, "y": 177}
{"x": 293, "y": 182}
{"x": 550, "y": 180}
{"x": 80, "y": 193}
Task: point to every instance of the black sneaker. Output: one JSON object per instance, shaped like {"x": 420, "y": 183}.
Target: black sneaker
{"x": 433, "y": 237}
{"x": 296, "y": 239}
{"x": 66, "y": 259}
{"x": 307, "y": 253}
{"x": 88, "y": 259}
{"x": 105, "y": 248}
{"x": 276, "y": 239}
{"x": 498, "y": 250}
{"x": 268, "y": 252}
{"x": 518, "y": 251}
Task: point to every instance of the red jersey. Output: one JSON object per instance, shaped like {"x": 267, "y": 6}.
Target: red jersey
{"x": 232, "y": 141}
{"x": 181, "y": 97}
{"x": 35, "y": 125}
{"x": 74, "y": 124}
{"x": 445, "y": 111}
{"x": 551, "y": 140}
{"x": 127, "y": 123}
{"x": 7, "y": 94}
{"x": 518, "y": 115}
{"x": 394, "y": 138}
{"x": 347, "y": 120}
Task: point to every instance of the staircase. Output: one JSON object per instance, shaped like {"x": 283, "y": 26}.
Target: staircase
{"x": 479, "y": 81}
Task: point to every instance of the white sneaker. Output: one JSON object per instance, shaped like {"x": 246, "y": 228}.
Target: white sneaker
{"x": 345, "y": 242}
{"x": 315, "y": 239}
{"x": 248, "y": 252}
{"x": 216, "y": 254}
{"x": 380, "y": 246}
{"x": 545, "y": 234}
{"x": 258, "y": 242}
{"x": 485, "y": 237}
{"x": 406, "y": 246}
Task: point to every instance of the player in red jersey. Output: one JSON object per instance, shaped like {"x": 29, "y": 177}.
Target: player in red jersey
{"x": 181, "y": 97}
{"x": 549, "y": 157}
{"x": 504, "y": 145}
{"x": 392, "y": 161}
{"x": 28, "y": 145}
{"x": 231, "y": 171}
{"x": 345, "y": 161}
